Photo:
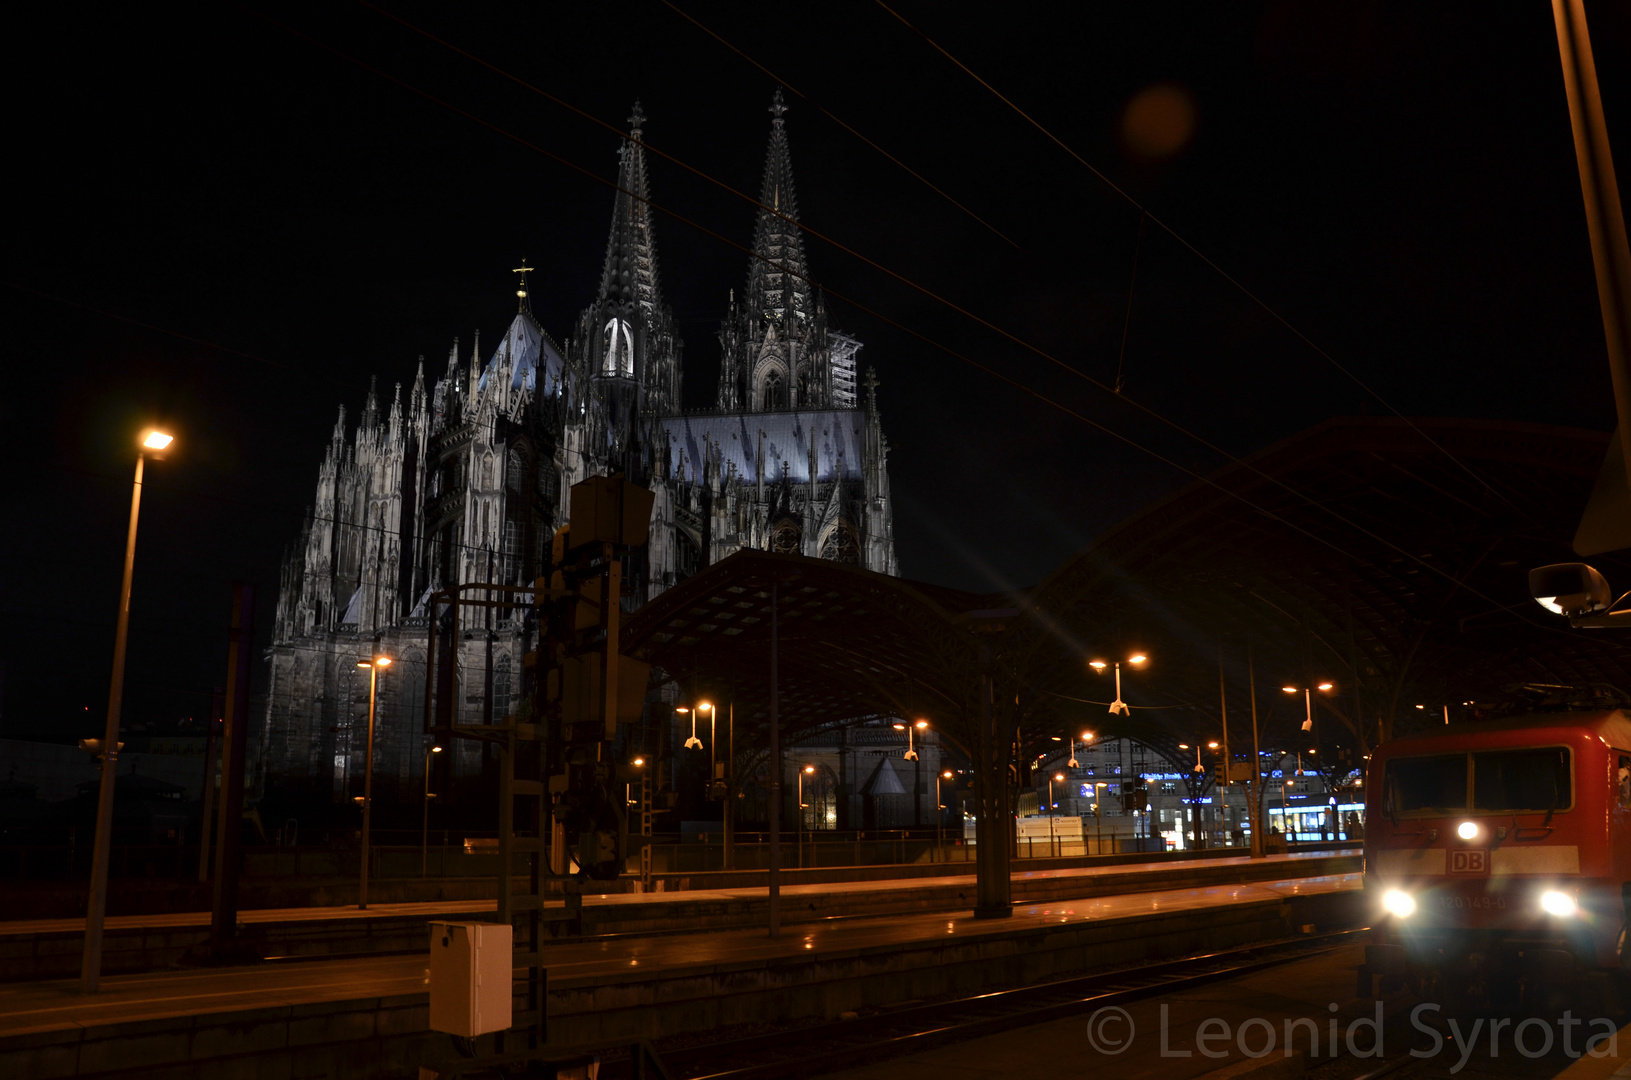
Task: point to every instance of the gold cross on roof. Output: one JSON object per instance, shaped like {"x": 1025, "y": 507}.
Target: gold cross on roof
{"x": 521, "y": 292}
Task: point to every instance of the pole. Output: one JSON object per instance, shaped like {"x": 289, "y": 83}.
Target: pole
{"x": 730, "y": 788}
{"x": 1223, "y": 712}
{"x": 1605, "y": 223}
{"x": 367, "y": 785}
{"x": 90, "y": 971}
{"x": 775, "y": 777}
{"x": 424, "y": 836}
{"x": 234, "y": 738}
{"x": 211, "y": 742}
{"x": 1257, "y": 763}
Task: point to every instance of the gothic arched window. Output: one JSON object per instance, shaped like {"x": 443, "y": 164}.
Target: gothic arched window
{"x": 501, "y": 687}
{"x": 775, "y": 394}
{"x": 514, "y": 466}
{"x": 512, "y": 550}
{"x": 786, "y": 538}
{"x": 617, "y": 348}
{"x": 840, "y": 545}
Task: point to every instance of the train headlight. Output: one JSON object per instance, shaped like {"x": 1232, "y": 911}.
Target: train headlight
{"x": 1558, "y": 903}
{"x": 1467, "y": 830}
{"x": 1399, "y": 904}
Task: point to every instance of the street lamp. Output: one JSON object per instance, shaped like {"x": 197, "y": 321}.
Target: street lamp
{"x": 1308, "y": 710}
{"x": 808, "y": 770}
{"x": 373, "y": 667}
{"x": 911, "y": 751}
{"x": 1052, "y": 806}
{"x": 940, "y": 814}
{"x": 1118, "y": 706}
{"x": 693, "y": 743}
{"x": 153, "y": 445}
{"x": 424, "y": 837}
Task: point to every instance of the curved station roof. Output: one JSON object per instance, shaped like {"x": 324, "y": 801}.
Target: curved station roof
{"x": 1387, "y": 557}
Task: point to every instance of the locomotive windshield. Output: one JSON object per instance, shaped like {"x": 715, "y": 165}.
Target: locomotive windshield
{"x": 1512, "y": 781}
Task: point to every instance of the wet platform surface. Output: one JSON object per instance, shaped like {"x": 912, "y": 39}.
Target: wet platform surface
{"x": 56, "y": 1005}
{"x": 1126, "y": 872}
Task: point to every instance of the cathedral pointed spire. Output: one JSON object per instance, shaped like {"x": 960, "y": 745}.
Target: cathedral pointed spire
{"x": 778, "y": 278}
{"x": 522, "y": 290}
{"x": 630, "y": 271}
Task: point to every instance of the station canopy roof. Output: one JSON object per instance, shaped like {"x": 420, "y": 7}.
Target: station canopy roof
{"x": 1388, "y": 557}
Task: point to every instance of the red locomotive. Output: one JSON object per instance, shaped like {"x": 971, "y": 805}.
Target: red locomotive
{"x": 1501, "y": 849}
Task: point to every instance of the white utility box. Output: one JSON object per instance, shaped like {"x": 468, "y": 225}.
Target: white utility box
{"x": 470, "y": 964}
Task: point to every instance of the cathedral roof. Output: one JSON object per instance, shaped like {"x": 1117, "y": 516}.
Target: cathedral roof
{"x": 839, "y": 436}
{"x": 528, "y": 349}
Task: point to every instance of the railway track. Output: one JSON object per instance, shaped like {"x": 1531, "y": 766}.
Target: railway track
{"x": 827, "y": 1047}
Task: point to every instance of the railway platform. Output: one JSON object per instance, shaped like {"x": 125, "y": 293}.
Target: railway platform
{"x": 366, "y": 1016}
{"x": 50, "y": 948}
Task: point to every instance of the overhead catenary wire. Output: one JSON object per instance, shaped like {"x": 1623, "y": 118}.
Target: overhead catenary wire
{"x": 901, "y": 278}
{"x": 1017, "y": 384}
{"x": 818, "y": 107}
{"x": 1197, "y": 252}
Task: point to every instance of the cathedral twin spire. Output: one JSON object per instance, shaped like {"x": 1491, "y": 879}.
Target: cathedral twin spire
{"x": 778, "y": 277}
{"x": 630, "y": 271}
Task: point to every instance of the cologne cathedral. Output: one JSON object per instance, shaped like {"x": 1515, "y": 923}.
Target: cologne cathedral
{"x": 465, "y": 480}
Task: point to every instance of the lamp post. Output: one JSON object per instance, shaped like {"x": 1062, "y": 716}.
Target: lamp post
{"x": 940, "y": 815}
{"x": 1325, "y": 687}
{"x": 693, "y": 743}
{"x": 373, "y": 667}
{"x": 1118, "y": 706}
{"x": 911, "y": 748}
{"x": 1099, "y": 788}
{"x": 424, "y": 836}
{"x": 153, "y": 445}
{"x": 806, "y": 771}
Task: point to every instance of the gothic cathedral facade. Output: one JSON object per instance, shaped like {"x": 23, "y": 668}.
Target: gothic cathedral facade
{"x": 467, "y": 479}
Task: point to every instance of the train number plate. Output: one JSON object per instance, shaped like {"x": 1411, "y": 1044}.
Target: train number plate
{"x": 1469, "y": 861}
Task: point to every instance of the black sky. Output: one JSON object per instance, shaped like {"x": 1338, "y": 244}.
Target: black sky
{"x": 1396, "y": 180}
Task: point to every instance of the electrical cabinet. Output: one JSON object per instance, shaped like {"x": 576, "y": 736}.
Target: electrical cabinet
{"x": 470, "y": 964}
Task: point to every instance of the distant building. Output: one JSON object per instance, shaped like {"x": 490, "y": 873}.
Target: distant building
{"x": 466, "y": 480}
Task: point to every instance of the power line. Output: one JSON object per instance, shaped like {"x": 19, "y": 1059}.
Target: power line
{"x": 901, "y": 278}
{"x": 1197, "y": 252}
{"x": 801, "y": 95}
{"x": 1024, "y": 388}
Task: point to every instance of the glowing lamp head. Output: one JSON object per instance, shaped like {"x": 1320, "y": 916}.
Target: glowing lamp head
{"x": 1211, "y": 746}
{"x": 899, "y": 727}
{"x": 1137, "y": 658}
{"x": 921, "y": 724}
{"x": 639, "y": 761}
{"x": 1097, "y": 665}
{"x": 382, "y": 661}
{"x": 1561, "y": 904}
{"x": 946, "y": 774}
{"x": 1289, "y": 689}
{"x": 682, "y": 708}
{"x": 436, "y": 749}
{"x": 809, "y": 768}
{"x": 1325, "y": 686}
{"x": 1398, "y": 903}
{"x": 1467, "y": 830}
{"x": 157, "y": 440}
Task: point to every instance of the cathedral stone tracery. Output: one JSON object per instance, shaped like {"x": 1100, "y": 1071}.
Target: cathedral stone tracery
{"x": 466, "y": 480}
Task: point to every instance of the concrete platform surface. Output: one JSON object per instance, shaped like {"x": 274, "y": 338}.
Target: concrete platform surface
{"x": 1128, "y": 875}
{"x": 56, "y": 1005}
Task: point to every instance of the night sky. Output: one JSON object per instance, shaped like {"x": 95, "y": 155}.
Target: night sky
{"x": 222, "y": 225}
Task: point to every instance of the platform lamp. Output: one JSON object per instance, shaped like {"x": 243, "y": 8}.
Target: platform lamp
{"x": 424, "y": 836}
{"x": 911, "y": 749}
{"x": 693, "y": 743}
{"x": 1325, "y": 687}
{"x": 940, "y": 812}
{"x": 153, "y": 444}
{"x": 373, "y": 667}
{"x": 1118, "y": 706}
{"x": 808, "y": 770}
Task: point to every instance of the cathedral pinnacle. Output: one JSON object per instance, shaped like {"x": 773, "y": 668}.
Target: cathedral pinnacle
{"x": 636, "y": 119}
{"x": 521, "y": 292}
{"x": 777, "y": 107}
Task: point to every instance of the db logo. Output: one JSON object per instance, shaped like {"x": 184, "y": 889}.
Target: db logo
{"x": 1469, "y": 862}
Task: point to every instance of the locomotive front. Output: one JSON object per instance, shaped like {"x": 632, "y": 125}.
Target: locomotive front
{"x": 1499, "y": 847}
